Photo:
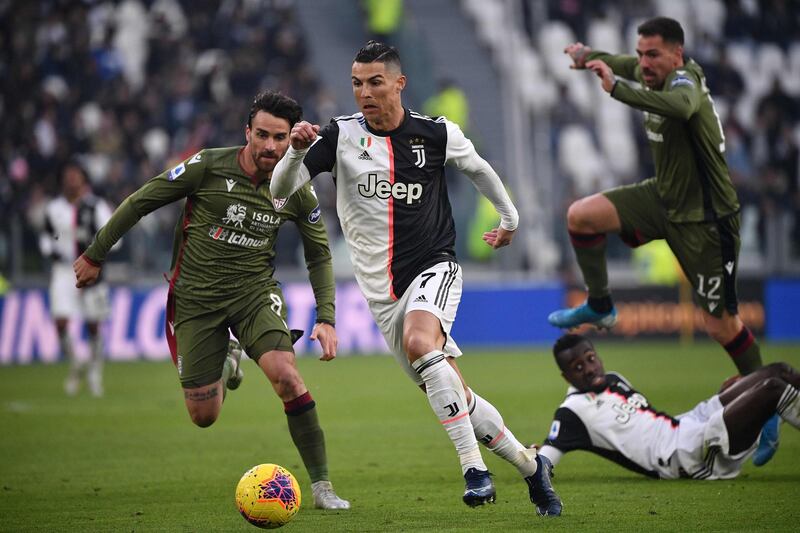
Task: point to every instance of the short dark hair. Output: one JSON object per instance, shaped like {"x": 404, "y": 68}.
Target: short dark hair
{"x": 75, "y": 163}
{"x": 565, "y": 342}
{"x": 277, "y": 105}
{"x": 375, "y": 51}
{"x": 669, "y": 29}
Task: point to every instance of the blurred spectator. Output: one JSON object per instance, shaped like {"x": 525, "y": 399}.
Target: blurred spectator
{"x": 132, "y": 86}
{"x": 383, "y": 19}
{"x": 450, "y": 102}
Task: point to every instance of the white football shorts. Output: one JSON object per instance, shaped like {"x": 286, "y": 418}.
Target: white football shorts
{"x": 436, "y": 290}
{"x": 703, "y": 445}
{"x": 67, "y": 301}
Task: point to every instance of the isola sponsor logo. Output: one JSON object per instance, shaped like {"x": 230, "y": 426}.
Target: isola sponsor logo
{"x": 233, "y": 237}
{"x": 383, "y": 189}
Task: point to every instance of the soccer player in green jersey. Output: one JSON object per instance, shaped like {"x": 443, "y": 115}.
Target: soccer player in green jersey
{"x": 222, "y": 276}
{"x": 691, "y": 201}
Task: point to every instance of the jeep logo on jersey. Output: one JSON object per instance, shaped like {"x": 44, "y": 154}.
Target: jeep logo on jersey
{"x": 383, "y": 189}
{"x": 235, "y": 215}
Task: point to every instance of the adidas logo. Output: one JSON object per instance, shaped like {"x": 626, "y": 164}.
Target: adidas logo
{"x": 421, "y": 298}
{"x": 365, "y": 156}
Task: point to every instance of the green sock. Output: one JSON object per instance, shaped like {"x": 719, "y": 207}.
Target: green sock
{"x": 590, "y": 250}
{"x": 307, "y": 435}
{"x": 745, "y": 352}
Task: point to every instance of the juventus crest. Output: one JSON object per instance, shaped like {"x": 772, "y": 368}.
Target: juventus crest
{"x": 419, "y": 151}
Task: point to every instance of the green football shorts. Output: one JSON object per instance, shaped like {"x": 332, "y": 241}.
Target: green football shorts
{"x": 198, "y": 332}
{"x": 706, "y": 251}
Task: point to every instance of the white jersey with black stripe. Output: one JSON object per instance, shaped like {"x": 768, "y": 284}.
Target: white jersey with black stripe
{"x": 617, "y": 423}
{"x": 70, "y": 227}
{"x": 391, "y": 194}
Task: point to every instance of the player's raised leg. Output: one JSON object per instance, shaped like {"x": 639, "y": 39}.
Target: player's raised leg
{"x": 301, "y": 414}
{"x": 588, "y": 221}
{"x": 422, "y": 339}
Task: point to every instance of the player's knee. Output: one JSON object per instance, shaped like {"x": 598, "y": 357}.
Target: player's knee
{"x": 576, "y": 217}
{"x": 417, "y": 345}
{"x": 202, "y": 418}
{"x": 778, "y": 370}
{"x": 772, "y": 385}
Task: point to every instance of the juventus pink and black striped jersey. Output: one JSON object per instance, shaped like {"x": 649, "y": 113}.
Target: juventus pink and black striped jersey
{"x": 391, "y": 193}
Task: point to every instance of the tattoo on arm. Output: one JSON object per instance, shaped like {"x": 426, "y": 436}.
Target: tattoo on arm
{"x": 201, "y": 395}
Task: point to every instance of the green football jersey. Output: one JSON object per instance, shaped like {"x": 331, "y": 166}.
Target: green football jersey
{"x": 686, "y": 138}
{"x": 225, "y": 241}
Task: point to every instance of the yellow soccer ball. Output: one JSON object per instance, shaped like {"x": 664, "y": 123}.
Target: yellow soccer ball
{"x": 268, "y": 496}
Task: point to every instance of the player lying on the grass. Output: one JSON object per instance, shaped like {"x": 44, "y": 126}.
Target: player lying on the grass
{"x": 604, "y": 414}
{"x": 222, "y": 276}
{"x": 391, "y": 196}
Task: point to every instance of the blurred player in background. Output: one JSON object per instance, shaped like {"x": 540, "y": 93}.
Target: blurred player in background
{"x": 604, "y": 414}
{"x": 71, "y": 220}
{"x": 691, "y": 202}
{"x": 222, "y": 276}
{"x": 388, "y": 163}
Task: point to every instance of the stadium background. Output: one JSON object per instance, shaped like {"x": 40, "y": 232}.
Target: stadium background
{"x": 131, "y": 87}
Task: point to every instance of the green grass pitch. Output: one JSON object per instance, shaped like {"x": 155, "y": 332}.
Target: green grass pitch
{"x": 132, "y": 461}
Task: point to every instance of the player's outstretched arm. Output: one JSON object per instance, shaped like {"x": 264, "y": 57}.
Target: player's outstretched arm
{"x": 86, "y": 273}
{"x": 290, "y": 174}
{"x": 577, "y": 52}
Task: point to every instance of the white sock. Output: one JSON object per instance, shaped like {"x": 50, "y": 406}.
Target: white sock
{"x": 492, "y": 432}
{"x": 789, "y": 406}
{"x": 95, "y": 375}
{"x": 65, "y": 343}
{"x": 446, "y": 396}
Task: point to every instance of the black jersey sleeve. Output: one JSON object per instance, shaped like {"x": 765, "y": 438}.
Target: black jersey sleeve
{"x": 321, "y": 157}
{"x": 567, "y": 432}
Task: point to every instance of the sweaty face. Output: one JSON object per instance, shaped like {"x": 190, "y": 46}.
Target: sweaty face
{"x": 268, "y": 139}
{"x": 657, "y": 59}
{"x": 377, "y": 88}
{"x": 582, "y": 367}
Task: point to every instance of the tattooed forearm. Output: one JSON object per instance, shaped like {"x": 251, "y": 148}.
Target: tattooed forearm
{"x": 201, "y": 395}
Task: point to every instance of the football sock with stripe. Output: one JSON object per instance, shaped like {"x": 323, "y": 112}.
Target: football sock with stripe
{"x": 590, "y": 251}
{"x": 492, "y": 432}
{"x": 744, "y": 352}
{"x": 307, "y": 435}
{"x": 448, "y": 400}
{"x": 789, "y": 406}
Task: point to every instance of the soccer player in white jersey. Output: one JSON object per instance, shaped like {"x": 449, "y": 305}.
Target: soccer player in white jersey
{"x": 388, "y": 165}
{"x": 71, "y": 220}
{"x": 604, "y": 414}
